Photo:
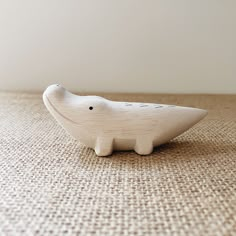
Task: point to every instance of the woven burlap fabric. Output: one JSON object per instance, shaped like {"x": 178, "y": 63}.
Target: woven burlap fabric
{"x": 51, "y": 184}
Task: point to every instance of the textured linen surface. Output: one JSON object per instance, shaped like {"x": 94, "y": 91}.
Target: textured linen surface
{"x": 51, "y": 184}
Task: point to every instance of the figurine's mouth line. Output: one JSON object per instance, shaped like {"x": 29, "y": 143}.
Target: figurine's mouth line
{"x": 58, "y": 112}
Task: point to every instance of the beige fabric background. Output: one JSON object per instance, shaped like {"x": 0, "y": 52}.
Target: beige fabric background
{"x": 53, "y": 185}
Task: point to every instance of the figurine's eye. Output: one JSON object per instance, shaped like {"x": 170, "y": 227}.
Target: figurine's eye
{"x": 90, "y": 108}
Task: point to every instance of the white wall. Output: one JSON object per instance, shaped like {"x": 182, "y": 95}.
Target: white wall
{"x": 119, "y": 45}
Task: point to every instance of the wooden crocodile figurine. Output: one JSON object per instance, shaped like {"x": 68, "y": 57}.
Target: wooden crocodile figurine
{"x": 106, "y": 125}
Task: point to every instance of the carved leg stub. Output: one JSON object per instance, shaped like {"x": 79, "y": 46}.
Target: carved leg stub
{"x": 104, "y": 146}
{"x": 143, "y": 146}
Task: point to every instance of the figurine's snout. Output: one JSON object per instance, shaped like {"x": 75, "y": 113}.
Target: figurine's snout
{"x": 54, "y": 95}
{"x": 59, "y": 100}
{"x": 54, "y": 91}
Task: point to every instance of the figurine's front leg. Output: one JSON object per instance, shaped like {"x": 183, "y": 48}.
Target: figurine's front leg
{"x": 104, "y": 146}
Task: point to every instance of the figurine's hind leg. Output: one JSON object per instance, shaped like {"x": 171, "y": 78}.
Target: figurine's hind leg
{"x": 104, "y": 146}
{"x": 143, "y": 145}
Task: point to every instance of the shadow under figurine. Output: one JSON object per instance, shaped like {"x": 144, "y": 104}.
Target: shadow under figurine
{"x": 106, "y": 125}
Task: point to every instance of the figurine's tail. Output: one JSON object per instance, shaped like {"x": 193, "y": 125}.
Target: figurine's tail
{"x": 177, "y": 121}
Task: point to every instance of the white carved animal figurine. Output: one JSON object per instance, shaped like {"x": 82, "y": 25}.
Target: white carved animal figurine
{"x": 106, "y": 125}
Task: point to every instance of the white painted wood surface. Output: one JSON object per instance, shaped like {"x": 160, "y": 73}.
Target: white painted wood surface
{"x": 106, "y": 125}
